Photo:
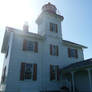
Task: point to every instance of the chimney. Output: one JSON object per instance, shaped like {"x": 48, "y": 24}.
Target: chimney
{"x": 25, "y": 27}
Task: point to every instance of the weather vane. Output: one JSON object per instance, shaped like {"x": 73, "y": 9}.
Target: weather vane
{"x": 51, "y": 1}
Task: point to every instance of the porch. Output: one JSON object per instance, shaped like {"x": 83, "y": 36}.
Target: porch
{"x": 78, "y": 76}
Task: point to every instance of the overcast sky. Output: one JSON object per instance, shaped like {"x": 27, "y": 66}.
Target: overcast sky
{"x": 76, "y": 27}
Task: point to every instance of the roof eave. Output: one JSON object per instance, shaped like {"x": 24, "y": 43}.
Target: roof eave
{"x": 74, "y": 44}
{"x": 72, "y": 67}
{"x": 7, "y": 33}
{"x": 5, "y": 41}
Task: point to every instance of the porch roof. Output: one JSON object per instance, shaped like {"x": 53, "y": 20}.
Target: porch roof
{"x": 79, "y": 65}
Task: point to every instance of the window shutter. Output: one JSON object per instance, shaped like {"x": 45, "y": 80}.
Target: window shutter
{"x": 56, "y": 28}
{"x": 24, "y": 44}
{"x": 35, "y": 72}
{"x": 50, "y": 49}
{"x": 2, "y": 79}
{"x": 76, "y": 53}
{"x": 3, "y": 75}
{"x": 22, "y": 71}
{"x": 69, "y": 52}
{"x": 57, "y": 51}
{"x": 51, "y": 75}
{"x": 36, "y": 47}
{"x": 51, "y": 27}
{"x": 58, "y": 72}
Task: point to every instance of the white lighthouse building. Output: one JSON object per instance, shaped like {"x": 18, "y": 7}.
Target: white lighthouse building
{"x": 43, "y": 62}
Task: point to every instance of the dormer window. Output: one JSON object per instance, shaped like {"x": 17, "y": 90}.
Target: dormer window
{"x": 53, "y": 27}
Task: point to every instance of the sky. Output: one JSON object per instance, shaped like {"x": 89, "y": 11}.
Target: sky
{"x": 76, "y": 26}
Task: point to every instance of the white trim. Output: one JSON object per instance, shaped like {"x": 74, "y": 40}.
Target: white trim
{"x": 73, "y": 82}
{"x": 90, "y": 81}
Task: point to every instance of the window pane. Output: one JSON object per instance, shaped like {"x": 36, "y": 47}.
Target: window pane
{"x": 28, "y": 68}
{"x": 28, "y": 71}
{"x": 53, "y": 27}
{"x": 28, "y": 75}
{"x": 54, "y": 50}
{"x": 54, "y": 73}
{"x": 73, "y": 54}
{"x": 30, "y": 45}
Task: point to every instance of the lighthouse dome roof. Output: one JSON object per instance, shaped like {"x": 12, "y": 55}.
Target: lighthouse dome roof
{"x": 49, "y": 7}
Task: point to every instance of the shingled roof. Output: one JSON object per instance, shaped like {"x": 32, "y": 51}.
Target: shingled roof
{"x": 78, "y": 65}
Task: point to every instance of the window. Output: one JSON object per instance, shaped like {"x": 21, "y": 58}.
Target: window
{"x": 54, "y": 51}
{"x": 7, "y": 52}
{"x": 72, "y": 52}
{"x": 54, "y": 72}
{"x": 53, "y": 27}
{"x": 3, "y": 75}
{"x": 28, "y": 71}
{"x": 30, "y": 46}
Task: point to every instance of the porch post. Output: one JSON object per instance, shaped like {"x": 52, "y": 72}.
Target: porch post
{"x": 90, "y": 81}
{"x": 73, "y": 83}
